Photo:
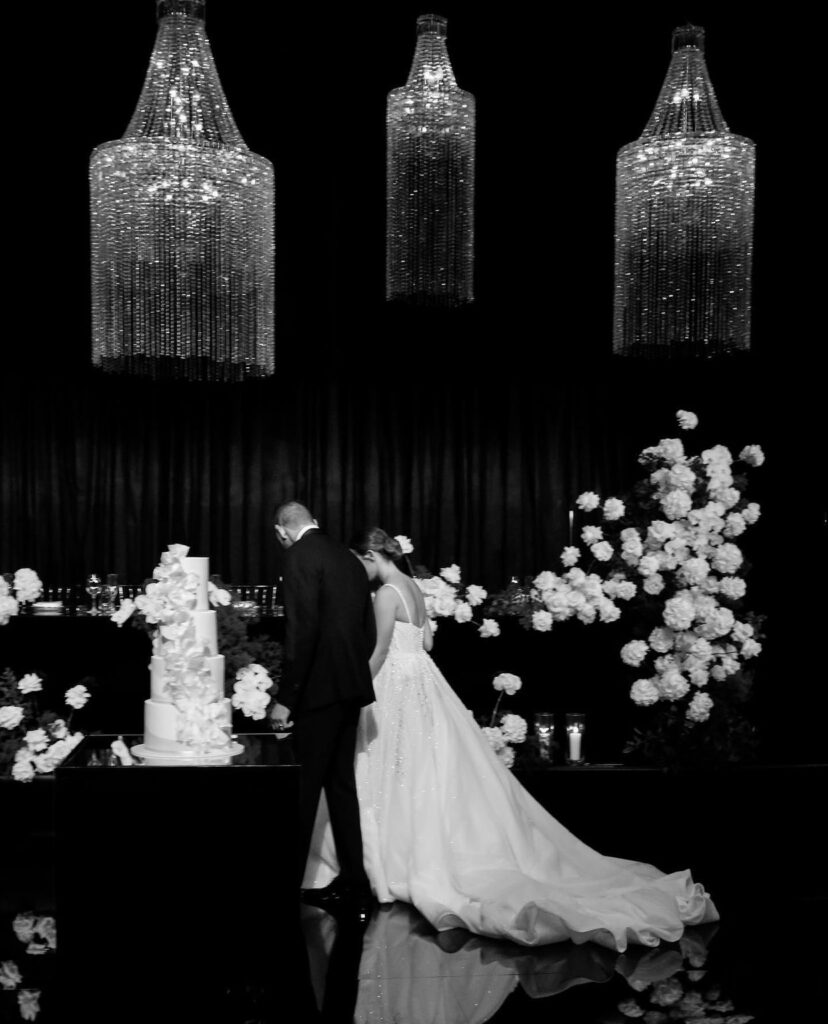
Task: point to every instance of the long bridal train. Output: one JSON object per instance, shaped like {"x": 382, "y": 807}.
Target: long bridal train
{"x": 448, "y": 828}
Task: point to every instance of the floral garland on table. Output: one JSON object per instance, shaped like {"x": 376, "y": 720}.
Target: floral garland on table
{"x": 168, "y": 605}
{"x": 668, "y": 552}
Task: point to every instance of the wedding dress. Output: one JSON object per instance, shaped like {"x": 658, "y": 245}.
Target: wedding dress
{"x": 448, "y": 828}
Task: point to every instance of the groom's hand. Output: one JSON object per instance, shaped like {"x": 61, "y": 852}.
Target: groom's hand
{"x": 281, "y": 716}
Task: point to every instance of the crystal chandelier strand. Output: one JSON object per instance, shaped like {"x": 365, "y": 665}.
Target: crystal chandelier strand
{"x": 430, "y": 154}
{"x": 182, "y": 224}
{"x": 684, "y": 222}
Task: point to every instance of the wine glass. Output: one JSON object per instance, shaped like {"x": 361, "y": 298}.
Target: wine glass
{"x": 93, "y": 588}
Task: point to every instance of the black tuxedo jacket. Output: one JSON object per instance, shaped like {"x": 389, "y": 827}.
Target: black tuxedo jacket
{"x": 330, "y": 630}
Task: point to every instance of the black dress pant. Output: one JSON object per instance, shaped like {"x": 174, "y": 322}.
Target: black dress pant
{"x": 325, "y": 741}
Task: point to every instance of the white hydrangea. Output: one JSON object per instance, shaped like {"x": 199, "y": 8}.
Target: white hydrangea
{"x": 676, "y": 504}
{"x": 602, "y": 551}
{"x": 644, "y": 692}
{"x": 634, "y": 652}
{"x": 588, "y": 501}
{"x": 752, "y": 454}
{"x": 513, "y": 728}
{"x": 614, "y": 509}
{"x": 699, "y": 708}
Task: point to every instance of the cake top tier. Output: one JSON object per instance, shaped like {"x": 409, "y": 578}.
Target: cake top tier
{"x": 199, "y": 567}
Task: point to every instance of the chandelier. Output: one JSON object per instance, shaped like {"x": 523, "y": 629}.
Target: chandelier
{"x": 684, "y": 222}
{"x": 430, "y": 179}
{"x": 182, "y": 225}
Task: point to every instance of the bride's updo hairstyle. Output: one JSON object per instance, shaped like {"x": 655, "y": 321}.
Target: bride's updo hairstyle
{"x": 375, "y": 539}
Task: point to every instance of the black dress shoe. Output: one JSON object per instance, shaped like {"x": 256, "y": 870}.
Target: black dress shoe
{"x": 328, "y": 897}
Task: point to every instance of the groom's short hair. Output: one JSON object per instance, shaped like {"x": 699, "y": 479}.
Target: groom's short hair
{"x": 292, "y": 515}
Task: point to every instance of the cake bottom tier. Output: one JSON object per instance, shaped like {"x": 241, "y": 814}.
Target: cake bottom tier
{"x": 161, "y": 724}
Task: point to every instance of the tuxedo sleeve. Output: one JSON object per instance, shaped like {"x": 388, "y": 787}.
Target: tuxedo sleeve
{"x": 302, "y": 623}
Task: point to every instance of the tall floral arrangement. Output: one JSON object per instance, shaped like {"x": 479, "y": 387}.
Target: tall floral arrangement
{"x": 668, "y": 555}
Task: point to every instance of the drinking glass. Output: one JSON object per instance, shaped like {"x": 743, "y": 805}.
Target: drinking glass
{"x": 93, "y": 588}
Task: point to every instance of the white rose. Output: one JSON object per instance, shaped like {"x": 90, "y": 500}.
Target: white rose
{"x": 451, "y": 573}
{"x": 614, "y": 509}
{"x": 476, "y": 595}
{"x": 36, "y": 740}
{"x": 23, "y": 770}
{"x": 588, "y": 501}
{"x": 649, "y": 565}
{"x": 444, "y": 604}
{"x": 687, "y": 420}
{"x": 30, "y": 683}
{"x": 405, "y": 544}
{"x": 752, "y": 454}
{"x": 634, "y": 652}
{"x": 608, "y": 611}
{"x": 507, "y": 682}
{"x": 570, "y": 555}
{"x": 488, "y": 628}
{"x": 77, "y": 696}
{"x": 644, "y": 692}
{"x": 463, "y": 612}
{"x": 542, "y": 621}
{"x": 10, "y": 716}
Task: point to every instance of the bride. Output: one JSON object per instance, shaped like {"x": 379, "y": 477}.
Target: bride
{"x": 448, "y": 828}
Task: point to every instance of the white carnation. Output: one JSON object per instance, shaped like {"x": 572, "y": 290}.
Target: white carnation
{"x": 654, "y": 584}
{"x": 662, "y": 640}
{"x": 682, "y": 478}
{"x": 591, "y": 535}
{"x": 742, "y": 631}
{"x": 648, "y": 565}
{"x": 751, "y": 513}
{"x": 463, "y": 612}
{"x": 77, "y": 696}
{"x": 542, "y": 621}
{"x": 27, "y": 585}
{"x": 507, "y": 682}
{"x": 614, "y": 509}
{"x": 10, "y": 716}
{"x": 8, "y": 607}
{"x": 30, "y": 683}
{"x": 751, "y": 648}
{"x": 735, "y": 524}
{"x": 718, "y": 455}
{"x": 451, "y": 573}
{"x": 634, "y": 652}
{"x": 588, "y": 501}
{"x": 672, "y": 685}
{"x": 687, "y": 420}
{"x": 488, "y": 628}
{"x": 476, "y": 595}
{"x": 36, "y": 740}
{"x": 608, "y": 611}
{"x": 676, "y": 504}
{"x": 570, "y": 555}
{"x": 405, "y": 544}
{"x": 23, "y": 770}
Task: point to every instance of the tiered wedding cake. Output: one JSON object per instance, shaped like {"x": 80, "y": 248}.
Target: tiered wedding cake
{"x": 187, "y": 717}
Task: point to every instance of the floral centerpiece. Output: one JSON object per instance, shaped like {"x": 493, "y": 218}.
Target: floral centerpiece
{"x": 669, "y": 553}
{"x": 19, "y": 589}
{"x": 504, "y": 730}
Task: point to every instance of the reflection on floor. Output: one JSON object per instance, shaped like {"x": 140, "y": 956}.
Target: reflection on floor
{"x": 758, "y": 964}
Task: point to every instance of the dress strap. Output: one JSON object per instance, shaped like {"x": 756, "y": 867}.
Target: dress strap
{"x": 402, "y": 598}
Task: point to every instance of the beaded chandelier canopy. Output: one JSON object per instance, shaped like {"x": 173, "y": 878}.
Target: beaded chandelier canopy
{"x": 684, "y": 222}
{"x": 430, "y": 143}
{"x": 182, "y": 225}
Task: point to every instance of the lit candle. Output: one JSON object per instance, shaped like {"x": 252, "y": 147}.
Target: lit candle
{"x": 571, "y": 522}
{"x": 574, "y": 743}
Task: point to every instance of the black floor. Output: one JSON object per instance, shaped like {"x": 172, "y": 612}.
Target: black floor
{"x": 761, "y": 962}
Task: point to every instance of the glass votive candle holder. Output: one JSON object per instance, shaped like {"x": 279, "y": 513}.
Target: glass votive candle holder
{"x": 574, "y": 736}
{"x": 545, "y": 730}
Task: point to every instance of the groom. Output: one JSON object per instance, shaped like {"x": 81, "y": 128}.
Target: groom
{"x": 329, "y": 638}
